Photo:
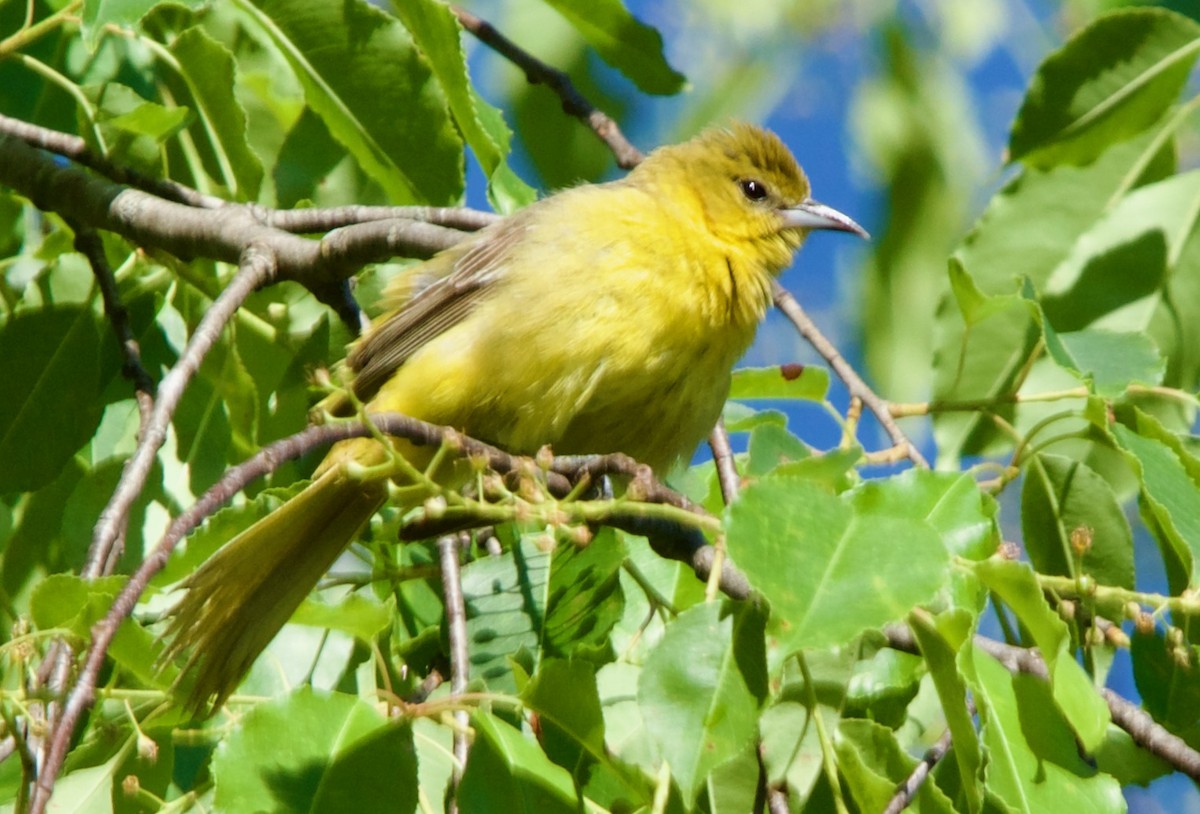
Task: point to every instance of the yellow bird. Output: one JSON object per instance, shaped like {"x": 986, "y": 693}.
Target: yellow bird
{"x": 603, "y": 318}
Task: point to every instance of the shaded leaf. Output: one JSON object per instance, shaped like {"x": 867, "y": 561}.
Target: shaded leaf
{"x": 310, "y": 752}
{"x": 701, "y": 689}
{"x": 1111, "y": 80}
{"x": 358, "y": 67}
{"x": 48, "y": 359}
{"x": 507, "y": 772}
{"x": 1061, "y": 495}
{"x": 624, "y": 42}
{"x": 1072, "y": 689}
{"x": 1170, "y": 497}
{"x": 208, "y": 68}
{"x": 437, "y": 33}
{"x": 1034, "y": 763}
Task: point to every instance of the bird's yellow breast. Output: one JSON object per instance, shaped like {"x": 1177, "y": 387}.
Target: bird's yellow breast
{"x": 612, "y": 329}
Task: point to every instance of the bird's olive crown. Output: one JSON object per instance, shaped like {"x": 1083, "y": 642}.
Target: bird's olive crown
{"x": 740, "y": 177}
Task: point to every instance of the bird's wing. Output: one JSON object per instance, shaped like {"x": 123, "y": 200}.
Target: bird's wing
{"x": 437, "y": 305}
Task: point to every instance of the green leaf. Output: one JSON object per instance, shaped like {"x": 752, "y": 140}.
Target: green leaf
{"x": 771, "y": 445}
{"x": 953, "y": 504}
{"x": 67, "y": 600}
{"x": 789, "y": 381}
{"x": 87, "y": 791}
{"x": 564, "y": 695}
{"x": 584, "y": 598}
{"x": 310, "y": 752}
{"x": 701, "y": 689}
{"x": 882, "y": 686}
{"x": 1034, "y": 764}
{"x": 873, "y": 765}
{"x": 362, "y": 616}
{"x": 358, "y": 67}
{"x": 1015, "y": 583}
{"x": 803, "y": 548}
{"x": 1028, "y": 229}
{"x": 50, "y": 366}
{"x": 981, "y": 356}
{"x": 437, "y": 33}
{"x": 550, "y": 604}
{"x": 1110, "y": 81}
{"x": 507, "y": 772}
{"x": 1170, "y": 691}
{"x": 1170, "y": 497}
{"x": 629, "y": 45}
{"x": 208, "y": 68}
{"x": 941, "y": 640}
{"x": 1155, "y": 229}
{"x": 97, "y": 14}
{"x": 1127, "y": 762}
{"x": 1110, "y": 361}
{"x": 1061, "y": 495}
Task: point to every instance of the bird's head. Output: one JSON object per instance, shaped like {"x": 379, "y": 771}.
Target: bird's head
{"x": 748, "y": 189}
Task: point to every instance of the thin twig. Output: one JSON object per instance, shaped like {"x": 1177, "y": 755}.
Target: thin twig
{"x": 456, "y": 625}
{"x": 727, "y": 474}
{"x": 538, "y": 72}
{"x": 790, "y": 307}
{"x": 88, "y": 243}
{"x": 907, "y": 792}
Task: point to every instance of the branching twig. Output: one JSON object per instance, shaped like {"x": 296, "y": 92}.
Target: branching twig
{"x": 88, "y": 243}
{"x": 267, "y": 460}
{"x": 299, "y": 221}
{"x": 76, "y": 149}
{"x": 538, "y": 72}
{"x": 790, "y": 307}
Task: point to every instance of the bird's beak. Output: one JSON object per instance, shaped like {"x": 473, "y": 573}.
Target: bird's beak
{"x": 813, "y": 215}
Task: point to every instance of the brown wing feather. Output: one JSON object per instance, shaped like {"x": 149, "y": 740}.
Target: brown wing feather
{"x": 436, "y": 306}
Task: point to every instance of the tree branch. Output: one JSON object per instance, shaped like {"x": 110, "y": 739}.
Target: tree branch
{"x": 456, "y": 626}
{"x": 1142, "y": 728}
{"x": 269, "y": 459}
{"x": 858, "y": 388}
{"x": 538, "y": 72}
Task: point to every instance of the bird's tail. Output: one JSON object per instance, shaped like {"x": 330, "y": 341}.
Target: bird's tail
{"x": 241, "y": 597}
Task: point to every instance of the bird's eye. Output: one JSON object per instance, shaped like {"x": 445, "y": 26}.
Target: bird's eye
{"x": 753, "y": 190}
